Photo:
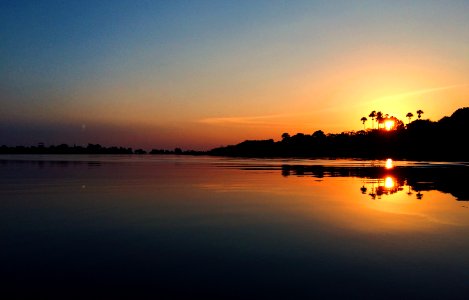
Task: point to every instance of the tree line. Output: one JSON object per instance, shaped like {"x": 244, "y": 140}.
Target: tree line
{"x": 381, "y": 118}
{"x": 90, "y": 149}
{"x": 65, "y": 149}
{"x": 420, "y": 139}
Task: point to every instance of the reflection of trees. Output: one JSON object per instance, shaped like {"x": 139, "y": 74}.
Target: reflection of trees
{"x": 364, "y": 189}
{"x": 412, "y": 180}
{"x": 381, "y": 186}
{"x": 409, "y": 192}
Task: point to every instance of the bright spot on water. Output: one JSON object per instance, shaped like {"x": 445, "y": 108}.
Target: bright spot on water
{"x": 389, "y": 182}
{"x": 389, "y": 164}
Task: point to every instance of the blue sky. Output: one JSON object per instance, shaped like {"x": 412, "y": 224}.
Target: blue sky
{"x": 199, "y": 74}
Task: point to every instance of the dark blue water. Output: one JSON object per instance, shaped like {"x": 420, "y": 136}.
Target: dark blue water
{"x": 182, "y": 227}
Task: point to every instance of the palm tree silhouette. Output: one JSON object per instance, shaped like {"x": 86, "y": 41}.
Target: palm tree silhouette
{"x": 419, "y": 113}
{"x": 379, "y": 118}
{"x": 409, "y": 115}
{"x": 363, "y": 119}
{"x": 372, "y": 115}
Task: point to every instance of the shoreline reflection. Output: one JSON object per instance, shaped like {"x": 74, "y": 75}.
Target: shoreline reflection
{"x": 386, "y": 186}
{"x": 385, "y": 180}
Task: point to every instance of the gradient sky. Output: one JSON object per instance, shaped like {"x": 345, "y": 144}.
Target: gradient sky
{"x": 200, "y": 74}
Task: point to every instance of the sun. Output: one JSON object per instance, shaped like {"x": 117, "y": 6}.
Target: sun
{"x": 389, "y": 124}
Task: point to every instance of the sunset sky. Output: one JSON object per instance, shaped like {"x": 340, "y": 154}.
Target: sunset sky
{"x": 200, "y": 74}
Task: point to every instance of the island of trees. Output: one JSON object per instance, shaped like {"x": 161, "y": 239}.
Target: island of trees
{"x": 419, "y": 139}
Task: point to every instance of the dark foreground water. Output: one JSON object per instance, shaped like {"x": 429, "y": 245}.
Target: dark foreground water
{"x": 166, "y": 227}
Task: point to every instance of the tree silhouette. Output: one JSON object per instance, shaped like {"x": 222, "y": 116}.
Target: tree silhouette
{"x": 379, "y": 118}
{"x": 372, "y": 115}
{"x": 285, "y": 136}
{"x": 398, "y": 124}
{"x": 363, "y": 119}
{"x": 319, "y": 134}
{"x": 409, "y": 116}
{"x": 419, "y": 140}
{"x": 419, "y": 113}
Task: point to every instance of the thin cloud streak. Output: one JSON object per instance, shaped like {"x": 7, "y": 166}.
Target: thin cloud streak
{"x": 265, "y": 120}
{"x": 253, "y": 120}
{"x": 415, "y": 93}
{"x": 270, "y": 120}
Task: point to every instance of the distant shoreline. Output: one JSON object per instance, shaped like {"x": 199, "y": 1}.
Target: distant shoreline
{"x": 444, "y": 140}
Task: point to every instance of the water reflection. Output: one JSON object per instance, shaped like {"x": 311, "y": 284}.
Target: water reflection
{"x": 379, "y": 181}
{"x": 389, "y": 183}
{"x": 213, "y": 228}
{"x": 387, "y": 186}
{"x": 389, "y": 164}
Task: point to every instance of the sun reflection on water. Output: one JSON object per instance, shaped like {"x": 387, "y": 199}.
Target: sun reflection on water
{"x": 389, "y": 164}
{"x": 389, "y": 182}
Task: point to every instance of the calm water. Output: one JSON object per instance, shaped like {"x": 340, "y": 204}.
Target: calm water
{"x": 199, "y": 227}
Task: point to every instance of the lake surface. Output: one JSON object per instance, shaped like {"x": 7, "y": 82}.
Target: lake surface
{"x": 166, "y": 227}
